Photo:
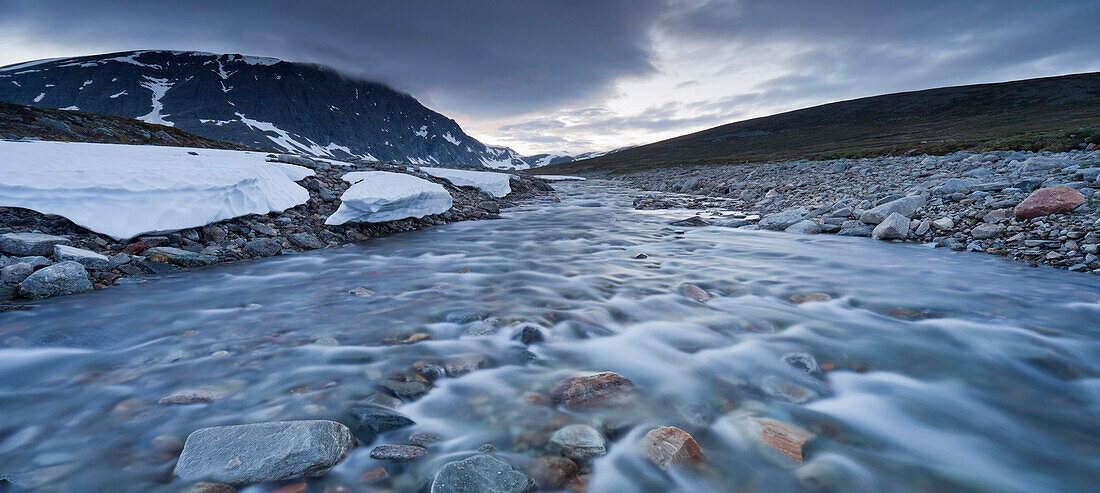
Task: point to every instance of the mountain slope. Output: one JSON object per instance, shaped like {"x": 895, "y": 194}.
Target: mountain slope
{"x": 259, "y": 102}
{"x": 1033, "y": 114}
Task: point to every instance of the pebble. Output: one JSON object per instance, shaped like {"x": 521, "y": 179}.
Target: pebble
{"x": 799, "y": 299}
{"x": 605, "y": 389}
{"x": 553, "y": 473}
{"x": 670, "y": 445}
{"x": 397, "y": 453}
{"x": 778, "y": 441}
{"x": 579, "y": 441}
{"x": 694, "y": 292}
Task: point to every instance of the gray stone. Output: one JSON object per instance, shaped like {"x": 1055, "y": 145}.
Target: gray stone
{"x": 16, "y": 273}
{"x": 803, "y": 362}
{"x": 781, "y": 221}
{"x": 366, "y": 422}
{"x": 181, "y": 257}
{"x": 31, "y": 243}
{"x": 923, "y": 228}
{"x": 894, "y": 227}
{"x": 579, "y": 441}
{"x": 955, "y": 185}
{"x": 986, "y": 231}
{"x": 858, "y": 231}
{"x": 305, "y": 240}
{"x": 262, "y": 452}
{"x": 481, "y": 473}
{"x": 88, "y": 259}
{"x": 943, "y": 224}
{"x": 213, "y": 232}
{"x": 58, "y": 279}
{"x": 805, "y": 227}
{"x": 264, "y": 229}
{"x": 118, "y": 260}
{"x": 262, "y": 247}
{"x": 905, "y": 206}
{"x": 398, "y": 453}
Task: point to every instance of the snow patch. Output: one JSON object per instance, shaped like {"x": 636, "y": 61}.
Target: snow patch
{"x": 380, "y": 196}
{"x": 113, "y": 96}
{"x": 423, "y": 132}
{"x": 495, "y": 184}
{"x": 39, "y": 97}
{"x": 125, "y": 190}
{"x": 159, "y": 88}
{"x": 451, "y": 138}
{"x": 71, "y": 108}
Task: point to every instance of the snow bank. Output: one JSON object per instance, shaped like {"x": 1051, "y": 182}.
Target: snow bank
{"x": 127, "y": 190}
{"x": 380, "y": 196}
{"x": 560, "y": 178}
{"x": 495, "y": 184}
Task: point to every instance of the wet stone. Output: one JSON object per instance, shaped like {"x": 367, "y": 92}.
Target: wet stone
{"x": 579, "y": 441}
{"x": 397, "y": 453}
{"x": 553, "y": 473}
{"x": 528, "y": 335}
{"x": 605, "y": 389}
{"x": 24, "y": 244}
{"x": 694, "y": 292}
{"x": 778, "y": 441}
{"x": 405, "y": 390}
{"x": 483, "y": 473}
{"x": 670, "y": 445}
{"x": 367, "y": 423}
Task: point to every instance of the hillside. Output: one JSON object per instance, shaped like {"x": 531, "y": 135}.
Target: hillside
{"x": 1053, "y": 113}
{"x": 18, "y": 121}
{"x": 259, "y": 102}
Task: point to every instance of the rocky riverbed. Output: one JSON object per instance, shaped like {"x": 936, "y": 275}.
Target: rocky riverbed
{"x": 47, "y": 255}
{"x": 1038, "y": 208}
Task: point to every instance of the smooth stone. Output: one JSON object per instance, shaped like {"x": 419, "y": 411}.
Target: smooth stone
{"x": 670, "y": 445}
{"x": 693, "y": 221}
{"x": 366, "y": 423}
{"x": 262, "y": 452}
{"x": 894, "y": 227}
{"x": 528, "y": 335}
{"x": 905, "y": 206}
{"x": 986, "y": 231}
{"x": 778, "y": 441}
{"x": 694, "y": 292}
{"x": 24, "y": 244}
{"x": 805, "y": 226}
{"x": 579, "y": 441}
{"x": 803, "y": 362}
{"x": 605, "y": 389}
{"x": 481, "y": 473}
{"x": 1047, "y": 201}
{"x": 15, "y": 273}
{"x": 58, "y": 279}
{"x": 180, "y": 257}
{"x": 397, "y": 453}
{"x": 88, "y": 259}
{"x": 305, "y": 240}
{"x": 781, "y": 220}
{"x": 553, "y": 472}
{"x": 262, "y": 247}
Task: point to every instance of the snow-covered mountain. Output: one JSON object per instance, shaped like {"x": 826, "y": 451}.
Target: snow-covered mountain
{"x": 539, "y": 160}
{"x": 262, "y": 102}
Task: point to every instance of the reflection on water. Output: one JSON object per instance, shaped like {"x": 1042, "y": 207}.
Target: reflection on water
{"x": 949, "y": 371}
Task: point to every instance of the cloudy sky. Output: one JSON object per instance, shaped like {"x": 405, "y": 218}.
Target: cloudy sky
{"x": 543, "y": 75}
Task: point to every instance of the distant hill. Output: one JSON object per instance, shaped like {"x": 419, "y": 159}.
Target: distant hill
{"x": 1050, "y": 113}
{"x": 259, "y": 102}
{"x": 19, "y": 121}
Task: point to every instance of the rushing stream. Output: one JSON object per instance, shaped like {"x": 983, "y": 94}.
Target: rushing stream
{"x": 953, "y": 371}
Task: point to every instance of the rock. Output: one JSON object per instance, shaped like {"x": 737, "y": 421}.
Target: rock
{"x": 943, "y": 224}
{"x": 367, "y": 422}
{"x": 922, "y": 228}
{"x": 16, "y": 273}
{"x": 262, "y": 247}
{"x": 158, "y": 267}
{"x": 956, "y": 185}
{"x": 194, "y": 396}
{"x": 176, "y": 256}
{"x": 24, "y": 244}
{"x": 905, "y": 206}
{"x": 264, "y": 229}
{"x": 858, "y": 231}
{"x": 605, "y": 389}
{"x": 456, "y": 367}
{"x": 528, "y": 334}
{"x": 781, "y": 221}
{"x": 778, "y": 441}
{"x": 694, "y": 292}
{"x": 894, "y": 227}
{"x": 691, "y": 221}
{"x": 553, "y": 473}
{"x": 308, "y": 241}
{"x": 404, "y": 389}
{"x": 781, "y": 388}
{"x": 579, "y": 441}
{"x": 491, "y": 207}
{"x": 117, "y": 260}
{"x": 1050, "y": 200}
{"x": 397, "y": 453}
{"x": 423, "y": 439}
{"x": 803, "y": 362}
{"x": 669, "y": 445}
{"x": 986, "y": 231}
{"x": 262, "y": 452}
{"x": 207, "y": 487}
{"x": 213, "y": 232}
{"x": 88, "y": 259}
{"x": 58, "y": 279}
{"x": 801, "y": 298}
{"x": 481, "y": 473}
{"x": 804, "y": 227}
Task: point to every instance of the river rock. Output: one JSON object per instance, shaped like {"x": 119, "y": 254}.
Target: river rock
{"x": 262, "y": 247}
{"x": 262, "y": 452}
{"x": 24, "y": 244}
{"x": 694, "y": 292}
{"x": 605, "y": 389}
{"x": 481, "y": 473}
{"x": 579, "y": 441}
{"x": 180, "y": 257}
{"x": 692, "y": 221}
{"x": 58, "y": 279}
{"x": 553, "y": 473}
{"x": 803, "y": 362}
{"x": 986, "y": 231}
{"x": 956, "y": 185}
{"x": 1050, "y": 200}
{"x": 778, "y": 441}
{"x": 16, "y": 273}
{"x": 943, "y": 224}
{"x": 367, "y": 422}
{"x": 528, "y": 334}
{"x": 307, "y": 241}
{"x": 397, "y": 453}
{"x": 894, "y": 227}
{"x": 669, "y": 445}
{"x": 781, "y": 220}
{"x": 804, "y": 226}
{"x": 88, "y": 259}
{"x": 905, "y": 206}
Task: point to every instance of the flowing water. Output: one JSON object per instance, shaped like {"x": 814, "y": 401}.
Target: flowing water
{"x": 953, "y": 372}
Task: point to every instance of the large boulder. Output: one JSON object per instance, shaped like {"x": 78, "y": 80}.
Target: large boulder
{"x": 481, "y": 473}
{"x": 894, "y": 227}
{"x": 905, "y": 206}
{"x": 1049, "y": 200}
{"x": 24, "y": 244}
{"x": 781, "y": 220}
{"x": 262, "y": 452}
{"x": 58, "y": 279}
{"x": 182, "y": 258}
{"x": 89, "y": 259}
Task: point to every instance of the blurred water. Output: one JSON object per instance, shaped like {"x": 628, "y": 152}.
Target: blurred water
{"x": 957, "y": 372}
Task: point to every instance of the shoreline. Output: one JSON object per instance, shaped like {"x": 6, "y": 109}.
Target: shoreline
{"x": 300, "y": 228}
{"x": 981, "y": 202}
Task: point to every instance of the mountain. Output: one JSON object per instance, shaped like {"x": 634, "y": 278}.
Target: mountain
{"x": 539, "y": 160}
{"x": 1052, "y": 113}
{"x": 259, "y": 102}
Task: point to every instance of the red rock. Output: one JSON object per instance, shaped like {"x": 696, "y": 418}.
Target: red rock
{"x": 291, "y": 488}
{"x": 135, "y": 248}
{"x": 780, "y": 442}
{"x": 1047, "y": 201}
{"x": 603, "y": 389}
{"x": 670, "y": 445}
{"x": 552, "y": 473}
{"x": 211, "y": 488}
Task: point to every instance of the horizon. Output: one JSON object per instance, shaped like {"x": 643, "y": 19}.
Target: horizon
{"x": 572, "y": 77}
